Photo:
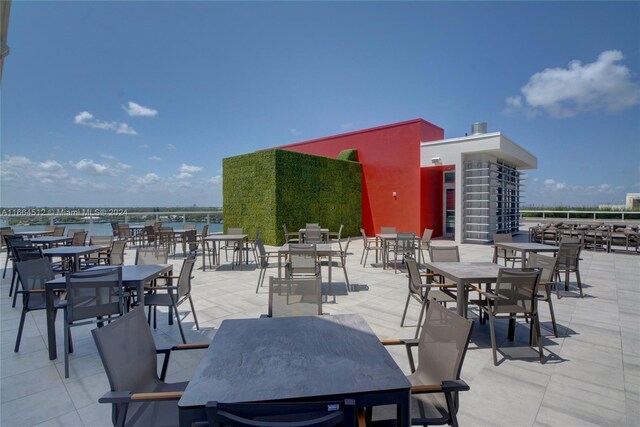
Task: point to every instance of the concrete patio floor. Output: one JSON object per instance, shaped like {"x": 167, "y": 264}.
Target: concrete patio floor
{"x": 591, "y": 376}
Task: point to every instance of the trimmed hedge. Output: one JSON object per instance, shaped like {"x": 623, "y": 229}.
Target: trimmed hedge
{"x": 350, "y": 155}
{"x": 266, "y": 189}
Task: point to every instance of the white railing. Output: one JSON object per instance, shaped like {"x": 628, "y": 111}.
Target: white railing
{"x": 580, "y": 215}
{"x": 94, "y": 215}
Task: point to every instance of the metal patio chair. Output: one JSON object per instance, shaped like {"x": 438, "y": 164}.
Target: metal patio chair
{"x": 547, "y": 266}
{"x": 263, "y": 261}
{"x": 507, "y": 255}
{"x": 370, "y": 244}
{"x": 295, "y": 296}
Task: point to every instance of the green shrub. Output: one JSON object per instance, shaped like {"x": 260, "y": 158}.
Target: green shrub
{"x": 350, "y": 155}
{"x": 266, "y": 189}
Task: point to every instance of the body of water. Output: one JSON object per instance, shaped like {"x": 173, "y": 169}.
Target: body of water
{"x": 104, "y": 228}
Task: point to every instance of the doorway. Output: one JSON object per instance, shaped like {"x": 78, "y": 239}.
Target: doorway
{"x": 449, "y": 203}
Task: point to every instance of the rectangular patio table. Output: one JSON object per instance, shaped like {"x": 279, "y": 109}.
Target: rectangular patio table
{"x": 47, "y": 241}
{"x": 33, "y": 233}
{"x": 386, "y": 238}
{"x": 322, "y": 250}
{"x": 224, "y": 237}
{"x": 464, "y": 274}
{"x": 73, "y": 252}
{"x": 524, "y": 249}
{"x": 133, "y": 276}
{"x": 303, "y": 358}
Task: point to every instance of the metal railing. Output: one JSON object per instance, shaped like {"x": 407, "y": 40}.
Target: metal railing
{"x": 581, "y": 215}
{"x": 100, "y": 215}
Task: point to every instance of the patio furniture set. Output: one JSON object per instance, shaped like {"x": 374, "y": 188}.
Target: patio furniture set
{"x": 596, "y": 235}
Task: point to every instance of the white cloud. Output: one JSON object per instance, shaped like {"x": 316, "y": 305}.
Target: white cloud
{"x": 565, "y": 92}
{"x": 189, "y": 168}
{"x": 22, "y": 171}
{"x": 215, "y": 179}
{"x": 295, "y": 132}
{"x": 89, "y": 167}
{"x": 549, "y": 181}
{"x": 107, "y": 156}
{"x": 85, "y": 118}
{"x": 144, "y": 146}
{"x": 137, "y": 110}
{"x": 150, "y": 178}
{"x": 156, "y": 158}
{"x": 171, "y": 146}
{"x": 183, "y": 176}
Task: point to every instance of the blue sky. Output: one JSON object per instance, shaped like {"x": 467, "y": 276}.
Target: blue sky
{"x": 137, "y": 103}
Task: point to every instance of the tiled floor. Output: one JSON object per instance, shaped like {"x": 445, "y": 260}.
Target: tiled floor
{"x": 591, "y": 375}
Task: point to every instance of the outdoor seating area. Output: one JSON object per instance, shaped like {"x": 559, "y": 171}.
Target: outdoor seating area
{"x": 581, "y": 337}
{"x": 593, "y": 235}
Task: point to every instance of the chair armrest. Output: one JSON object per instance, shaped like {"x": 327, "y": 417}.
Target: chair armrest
{"x": 488, "y": 295}
{"x": 399, "y": 341}
{"x": 449, "y": 386}
{"x": 115, "y": 397}
{"x": 163, "y": 395}
{"x": 193, "y": 346}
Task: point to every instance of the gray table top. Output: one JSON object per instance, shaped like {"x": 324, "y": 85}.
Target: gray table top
{"x": 216, "y": 237}
{"x": 51, "y": 239}
{"x": 320, "y": 248}
{"x": 264, "y": 359}
{"x": 73, "y": 250}
{"x": 467, "y": 272}
{"x": 131, "y": 274}
{"x": 33, "y": 233}
{"x": 536, "y": 247}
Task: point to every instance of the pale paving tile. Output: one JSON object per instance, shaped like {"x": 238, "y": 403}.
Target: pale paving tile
{"x": 595, "y": 332}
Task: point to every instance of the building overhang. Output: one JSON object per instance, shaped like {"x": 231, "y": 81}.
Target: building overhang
{"x": 494, "y": 144}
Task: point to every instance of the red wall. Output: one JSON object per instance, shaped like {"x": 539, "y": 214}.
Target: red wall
{"x": 390, "y": 157}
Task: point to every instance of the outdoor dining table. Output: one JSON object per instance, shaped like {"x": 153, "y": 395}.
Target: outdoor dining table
{"x": 133, "y": 276}
{"x": 464, "y": 274}
{"x": 524, "y": 249}
{"x": 73, "y": 252}
{"x": 217, "y": 238}
{"x": 386, "y": 238}
{"x": 322, "y": 250}
{"x": 47, "y": 241}
{"x": 33, "y": 233}
{"x": 311, "y": 358}
{"x": 324, "y": 234}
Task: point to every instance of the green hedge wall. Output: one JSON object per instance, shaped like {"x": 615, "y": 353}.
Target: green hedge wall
{"x": 266, "y": 189}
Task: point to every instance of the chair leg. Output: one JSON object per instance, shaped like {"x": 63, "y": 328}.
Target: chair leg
{"x": 492, "y": 331}
{"x": 536, "y": 321}
{"x": 423, "y": 309}
{"x": 553, "y": 316}
{"x": 193, "y": 311}
{"x": 346, "y": 277}
{"x": 6, "y": 263}
{"x": 404, "y": 313}
{"x": 452, "y": 410}
{"x": 22, "y": 317}
{"x": 364, "y": 249}
{"x": 66, "y": 349}
{"x": 579, "y": 283}
{"x": 262, "y": 270}
{"x": 13, "y": 281}
{"x": 365, "y": 257}
{"x": 175, "y": 310}
{"x": 15, "y": 295}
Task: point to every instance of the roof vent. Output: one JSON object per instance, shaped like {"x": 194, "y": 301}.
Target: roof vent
{"x": 479, "y": 128}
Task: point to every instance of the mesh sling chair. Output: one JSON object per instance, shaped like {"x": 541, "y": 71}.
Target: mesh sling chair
{"x": 172, "y": 296}
{"x": 263, "y": 261}
{"x": 23, "y": 253}
{"x": 287, "y": 235}
{"x": 340, "y": 260}
{"x": 435, "y": 381}
{"x": 336, "y": 236}
{"x": 422, "y": 293}
{"x": 91, "y": 295}
{"x": 506, "y": 254}
{"x": 302, "y": 261}
{"x": 33, "y": 276}
{"x": 370, "y": 244}
{"x": 425, "y": 242}
{"x": 404, "y": 246}
{"x": 139, "y": 397}
{"x": 12, "y": 245}
{"x": 295, "y": 296}
{"x": 569, "y": 262}
{"x": 313, "y": 234}
{"x": 281, "y": 414}
{"x": 514, "y": 295}
{"x": 547, "y": 265}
